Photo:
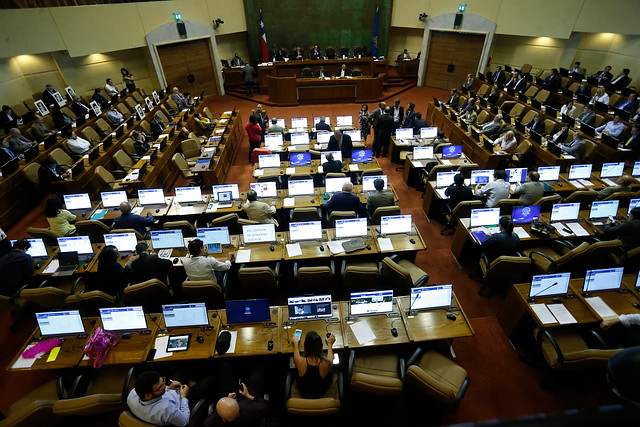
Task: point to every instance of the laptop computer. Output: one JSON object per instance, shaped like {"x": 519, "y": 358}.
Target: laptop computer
{"x": 309, "y": 307}
{"x": 568, "y": 120}
{"x": 428, "y": 297}
{"x": 371, "y": 302}
{"x": 123, "y": 318}
{"x": 603, "y": 279}
{"x": 549, "y": 285}
{"x": 307, "y": 230}
{"x": 60, "y": 322}
{"x": 525, "y": 214}
{"x": 609, "y": 141}
{"x": 182, "y": 315}
{"x": 247, "y": 311}
{"x": 68, "y": 264}
{"x": 554, "y": 149}
{"x": 152, "y": 196}
{"x": 225, "y": 199}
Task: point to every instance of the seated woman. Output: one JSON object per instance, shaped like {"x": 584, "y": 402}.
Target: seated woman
{"x": 314, "y": 370}
{"x": 112, "y": 277}
{"x": 59, "y": 218}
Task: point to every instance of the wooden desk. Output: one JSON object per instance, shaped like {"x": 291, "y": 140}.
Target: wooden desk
{"x": 321, "y": 326}
{"x": 408, "y": 67}
{"x": 368, "y": 240}
{"x": 621, "y": 301}
{"x": 252, "y": 338}
{"x": 182, "y": 209}
{"x": 196, "y": 350}
{"x": 310, "y": 248}
{"x": 157, "y": 210}
{"x": 84, "y": 266}
{"x": 401, "y": 242}
{"x": 260, "y": 252}
{"x": 380, "y": 324}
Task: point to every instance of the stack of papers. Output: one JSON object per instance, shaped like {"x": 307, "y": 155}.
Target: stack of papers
{"x": 289, "y": 202}
{"x": 290, "y": 171}
{"x": 385, "y": 244}
{"x": 294, "y": 250}
{"x": 553, "y": 313}
{"x": 353, "y": 167}
{"x": 335, "y": 246}
{"x": 601, "y": 307}
{"x": 243, "y": 255}
{"x": 417, "y": 163}
{"x": 161, "y": 348}
{"x": 258, "y": 172}
{"x": 521, "y": 233}
{"x": 446, "y": 162}
{"x": 362, "y": 331}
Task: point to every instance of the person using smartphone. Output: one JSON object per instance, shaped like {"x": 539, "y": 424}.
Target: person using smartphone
{"x": 314, "y": 369}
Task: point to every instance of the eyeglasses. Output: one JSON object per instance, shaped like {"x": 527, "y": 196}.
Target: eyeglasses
{"x": 163, "y": 385}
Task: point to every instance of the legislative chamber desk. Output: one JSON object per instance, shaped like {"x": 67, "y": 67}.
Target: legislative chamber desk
{"x": 251, "y": 338}
{"x": 408, "y": 67}
{"x": 294, "y": 91}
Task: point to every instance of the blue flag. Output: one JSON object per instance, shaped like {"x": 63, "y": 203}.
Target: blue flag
{"x": 374, "y": 40}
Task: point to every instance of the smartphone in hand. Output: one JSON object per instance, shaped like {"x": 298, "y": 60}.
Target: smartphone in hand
{"x": 298, "y": 333}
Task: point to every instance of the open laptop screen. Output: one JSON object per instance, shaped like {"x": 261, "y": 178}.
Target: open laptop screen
{"x": 309, "y": 307}
{"x": 344, "y": 121}
{"x": 153, "y": 196}
{"x": 77, "y": 201}
{"x": 167, "y": 239}
{"x": 612, "y": 170}
{"x": 269, "y": 161}
{"x": 603, "y": 279}
{"x": 215, "y": 189}
{"x": 524, "y": 214}
{"x": 273, "y": 139}
{"x": 353, "y": 227}
{"x": 247, "y": 311}
{"x": 484, "y": 176}
{"x": 395, "y": 224}
{"x": 549, "y": 173}
{"x": 300, "y": 159}
{"x": 177, "y": 315}
{"x": 259, "y": 233}
{"x": 337, "y": 155}
{"x": 549, "y": 284}
{"x": 60, "y": 322}
{"x": 188, "y": 195}
{"x": 308, "y": 230}
{"x": 633, "y": 203}
{"x": 580, "y": 171}
{"x": 111, "y": 199}
{"x": 301, "y": 187}
{"x": 37, "y": 249}
{"x": 299, "y": 122}
{"x": 125, "y": 242}
{"x": 123, "y": 318}
{"x": 404, "y": 133}
{"x": 636, "y": 169}
{"x": 431, "y": 297}
{"x": 368, "y": 180}
{"x": 484, "y": 217}
{"x": 445, "y": 179}
{"x": 214, "y": 235}
{"x": 299, "y": 138}
{"x": 517, "y": 174}
{"x": 423, "y": 153}
{"x": 333, "y": 185}
{"x": 373, "y": 302}
{"x": 565, "y": 211}
{"x": 265, "y": 189}
{"x": 604, "y": 209}
{"x": 79, "y": 244}
{"x": 361, "y": 156}
{"x": 428, "y": 133}
{"x": 323, "y": 137}
{"x": 450, "y": 151}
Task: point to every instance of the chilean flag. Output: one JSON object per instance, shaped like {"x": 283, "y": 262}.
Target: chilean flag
{"x": 263, "y": 40}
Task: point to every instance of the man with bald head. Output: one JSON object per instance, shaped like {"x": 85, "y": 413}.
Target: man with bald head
{"x": 127, "y": 219}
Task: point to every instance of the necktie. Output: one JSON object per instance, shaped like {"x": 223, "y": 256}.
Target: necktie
{"x": 624, "y": 104}
{"x": 629, "y": 141}
{"x": 9, "y": 152}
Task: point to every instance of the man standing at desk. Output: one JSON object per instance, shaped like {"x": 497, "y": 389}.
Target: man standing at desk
{"x": 248, "y": 73}
{"x": 340, "y": 142}
{"x": 259, "y": 211}
{"x": 200, "y": 266}
{"x": 344, "y": 200}
{"x": 383, "y": 134}
{"x": 131, "y": 220}
{"x": 322, "y": 125}
{"x": 496, "y": 190}
{"x": 16, "y": 268}
{"x": 379, "y": 198}
{"x": 397, "y": 112}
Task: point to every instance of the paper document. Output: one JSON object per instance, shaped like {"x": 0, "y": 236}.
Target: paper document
{"x": 353, "y": 167}
{"x": 567, "y": 156}
{"x": 562, "y": 314}
{"x": 320, "y": 169}
{"x": 440, "y": 192}
{"x": 146, "y": 157}
{"x": 362, "y": 331}
{"x": 52, "y": 267}
{"x": 576, "y": 184}
{"x": 601, "y": 307}
{"x": 24, "y": 363}
{"x": 586, "y": 182}
{"x": 258, "y": 172}
{"x": 335, "y": 246}
{"x": 385, "y": 244}
{"x": 227, "y": 112}
{"x": 577, "y": 229}
{"x": 608, "y": 181}
{"x": 290, "y": 171}
{"x": 294, "y": 249}
{"x": 446, "y": 162}
{"x": 232, "y": 343}
{"x": 219, "y": 130}
{"x": 243, "y": 255}
{"x": 212, "y": 207}
{"x": 561, "y": 229}
{"x": 543, "y": 313}
{"x": 137, "y": 210}
{"x": 222, "y": 121}
{"x": 161, "y": 348}
{"x": 289, "y": 202}
{"x": 417, "y": 163}
{"x": 521, "y": 233}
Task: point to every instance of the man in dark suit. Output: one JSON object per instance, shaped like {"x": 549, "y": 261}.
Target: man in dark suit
{"x": 8, "y": 118}
{"x": 237, "y": 61}
{"x": 631, "y": 141}
{"x": 340, "y": 142}
{"x": 604, "y": 75}
{"x": 458, "y": 191}
{"x": 499, "y": 76}
{"x": 397, "y": 112}
{"x": 375, "y": 115}
{"x": 131, "y": 220}
{"x": 321, "y": 72}
{"x": 410, "y": 116}
{"x": 50, "y": 171}
{"x": 627, "y": 231}
{"x": 552, "y": 82}
{"x": 380, "y": 198}
{"x": 343, "y": 72}
{"x": 156, "y": 126}
{"x": 47, "y": 96}
{"x": 78, "y": 107}
{"x": 383, "y": 134}
{"x": 277, "y": 53}
{"x": 332, "y": 165}
{"x": 622, "y": 80}
{"x": 248, "y": 73}
{"x": 6, "y": 153}
{"x": 587, "y": 117}
{"x": 146, "y": 266}
{"x": 521, "y": 85}
{"x": 344, "y": 200}
{"x": 16, "y": 268}
{"x": 537, "y": 124}
{"x": 504, "y": 243}
{"x": 322, "y": 125}
{"x": 315, "y": 53}
{"x": 629, "y": 105}
{"x": 419, "y": 123}
{"x": 584, "y": 90}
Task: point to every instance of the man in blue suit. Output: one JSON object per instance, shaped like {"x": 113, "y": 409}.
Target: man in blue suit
{"x": 344, "y": 200}
{"x": 630, "y": 105}
{"x": 537, "y": 124}
{"x": 499, "y": 76}
{"x": 631, "y": 141}
{"x": 340, "y": 142}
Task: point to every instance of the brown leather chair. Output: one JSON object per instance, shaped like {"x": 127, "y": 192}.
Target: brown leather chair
{"x": 259, "y": 280}
{"x": 314, "y": 277}
{"x": 506, "y": 206}
{"x": 305, "y": 214}
{"x": 548, "y": 260}
{"x": 146, "y": 127}
{"x": 522, "y": 152}
{"x": 384, "y": 211}
{"x": 30, "y": 171}
{"x": 360, "y": 274}
{"x": 584, "y": 197}
{"x": 94, "y": 229}
{"x": 623, "y": 196}
{"x": 437, "y": 376}
{"x": 334, "y": 215}
{"x": 61, "y": 158}
{"x": 462, "y": 210}
{"x": 502, "y": 271}
{"x": 185, "y": 226}
{"x": 122, "y": 161}
{"x": 402, "y": 275}
{"x": 546, "y": 203}
{"x": 127, "y": 419}
{"x": 380, "y": 374}
{"x": 180, "y": 163}
{"x": 190, "y": 148}
{"x": 626, "y": 258}
{"x": 598, "y": 254}
{"x": 49, "y": 238}
{"x": 107, "y": 179}
{"x": 329, "y": 404}
{"x": 45, "y": 296}
{"x": 103, "y": 127}
{"x": 128, "y": 145}
{"x": 526, "y": 68}
{"x": 151, "y": 294}
{"x": 567, "y": 349}
{"x": 208, "y": 291}
{"x": 90, "y": 135}
{"x": 466, "y": 168}
{"x": 35, "y": 408}
{"x": 89, "y": 303}
{"x": 229, "y": 220}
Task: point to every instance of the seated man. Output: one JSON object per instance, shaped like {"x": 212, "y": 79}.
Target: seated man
{"x": 50, "y": 172}
{"x": 200, "y": 266}
{"x": 584, "y": 90}
{"x": 629, "y": 105}
{"x": 321, "y": 72}
{"x": 404, "y": 55}
{"x": 179, "y": 99}
{"x": 604, "y": 75}
{"x": 504, "y": 243}
{"x": 553, "y": 81}
{"x": 576, "y": 147}
{"x": 114, "y": 116}
{"x": 499, "y": 76}
{"x": 379, "y": 198}
{"x": 627, "y": 231}
{"x": 8, "y": 118}
{"x": 77, "y": 145}
{"x": 622, "y": 80}
{"x": 494, "y": 95}
{"x": 497, "y": 190}
{"x": 99, "y": 98}
{"x": 344, "y": 200}
{"x": 315, "y": 53}
{"x": 259, "y": 211}
{"x": 156, "y": 126}
{"x": 146, "y": 266}
{"x": 622, "y": 184}
{"x": 530, "y": 192}
{"x": 454, "y": 99}
{"x": 506, "y": 143}
{"x": 631, "y": 141}
{"x": 18, "y": 142}
{"x": 79, "y": 107}
{"x": 458, "y": 191}
{"x": 322, "y": 125}
{"x": 613, "y": 128}
{"x": 625, "y": 330}
{"x": 131, "y": 220}
{"x": 536, "y": 125}
{"x": 577, "y": 69}
{"x": 587, "y": 117}
{"x": 39, "y": 129}
{"x": 340, "y": 142}
{"x": 343, "y": 71}
{"x": 493, "y": 126}
{"x": 6, "y": 153}
{"x": 16, "y": 268}
{"x": 470, "y": 116}
{"x": 332, "y": 165}
{"x": 274, "y": 128}
{"x": 111, "y": 89}
{"x": 237, "y": 61}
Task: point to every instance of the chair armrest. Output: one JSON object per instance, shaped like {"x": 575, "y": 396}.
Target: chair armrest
{"x": 332, "y": 266}
{"x": 277, "y": 270}
{"x": 43, "y": 284}
{"x": 553, "y": 342}
{"x": 127, "y": 381}
{"x": 566, "y": 244}
{"x": 599, "y": 339}
{"x": 462, "y": 391}
{"x": 62, "y": 392}
{"x": 198, "y": 412}
{"x": 16, "y": 294}
{"x": 484, "y": 257}
{"x": 295, "y": 270}
{"x": 542, "y": 255}
{"x": 75, "y": 284}
{"x": 415, "y": 356}
{"x": 394, "y": 257}
{"x": 401, "y": 368}
{"x": 287, "y": 387}
{"x": 421, "y": 281}
{"x": 343, "y": 267}
{"x": 352, "y": 355}
{"x": 340, "y": 386}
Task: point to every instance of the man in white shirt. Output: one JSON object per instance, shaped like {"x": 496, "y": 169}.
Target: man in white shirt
{"x": 613, "y": 128}
{"x": 110, "y": 88}
{"x": 115, "y": 116}
{"x": 200, "y": 266}
{"x": 76, "y": 144}
{"x": 496, "y": 190}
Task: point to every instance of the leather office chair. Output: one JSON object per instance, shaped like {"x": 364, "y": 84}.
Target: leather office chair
{"x": 502, "y": 271}
{"x": 330, "y": 52}
{"x": 103, "y": 127}
{"x": 129, "y": 148}
{"x": 546, "y": 203}
{"x": 529, "y": 115}
{"x": 547, "y": 260}
{"x": 626, "y": 258}
{"x": 90, "y": 303}
{"x": 166, "y": 115}
{"x": 483, "y": 116}
{"x": 384, "y": 211}
{"x": 92, "y": 228}
{"x": 531, "y": 92}
{"x": 465, "y": 169}
{"x": 589, "y": 149}
{"x": 343, "y": 51}
{"x": 329, "y": 404}
{"x": 30, "y": 171}
{"x": 208, "y": 113}
{"x": 482, "y": 91}
{"x": 584, "y": 197}
{"x": 567, "y": 349}
{"x": 259, "y": 280}
{"x": 21, "y": 111}
{"x": 180, "y": 163}
{"x": 65, "y": 147}
{"x": 107, "y": 179}
{"x": 402, "y": 275}
{"x": 171, "y": 103}
{"x": 45, "y": 296}
{"x": 374, "y": 373}
{"x": 68, "y": 112}
{"x": 314, "y": 277}
{"x": 517, "y": 111}
{"x": 122, "y": 161}
{"x": 358, "y": 50}
{"x": 360, "y": 275}
{"x": 462, "y": 210}
{"x": 151, "y": 294}
{"x": 334, "y": 215}
{"x": 550, "y": 126}
{"x": 306, "y": 73}
{"x": 305, "y": 214}
{"x": 208, "y": 291}
{"x": 123, "y": 109}
{"x": 506, "y": 205}
{"x": 542, "y": 96}
{"x": 624, "y": 196}
{"x": 357, "y": 72}
{"x": 526, "y": 68}
{"x": 35, "y": 408}
{"x": 185, "y": 226}
{"x": 196, "y": 418}
{"x": 598, "y": 254}
{"x": 136, "y": 96}
{"x": 600, "y": 120}
{"x": 90, "y": 135}
{"x": 229, "y": 220}
{"x": 622, "y": 374}
{"x": 131, "y": 103}
{"x": 49, "y": 238}
{"x": 190, "y": 148}
{"x": 437, "y": 376}
{"x": 97, "y": 391}
{"x": 522, "y": 152}
{"x": 270, "y": 178}
{"x": 62, "y": 158}
{"x": 438, "y": 168}
{"x": 146, "y": 127}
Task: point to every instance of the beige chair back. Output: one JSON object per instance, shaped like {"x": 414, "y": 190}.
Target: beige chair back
{"x": 185, "y": 226}
{"x": 122, "y": 160}
{"x": 49, "y": 238}
{"x": 90, "y": 134}
{"x": 334, "y": 215}
{"x": 190, "y": 148}
{"x": 384, "y": 211}
{"x": 305, "y": 214}
{"x": 258, "y": 279}
{"x": 150, "y": 294}
{"x": 547, "y": 202}
{"x": 203, "y": 290}
{"x": 62, "y": 158}
{"x": 94, "y": 229}
{"x": 30, "y": 171}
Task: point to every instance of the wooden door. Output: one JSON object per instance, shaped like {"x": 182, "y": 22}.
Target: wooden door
{"x": 181, "y": 59}
{"x": 452, "y": 55}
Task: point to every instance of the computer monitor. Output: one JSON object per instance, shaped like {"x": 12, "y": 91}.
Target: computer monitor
{"x": 37, "y": 249}
{"x": 123, "y": 318}
{"x": 265, "y": 188}
{"x": 361, "y": 156}
{"x": 484, "y": 217}
{"x": 327, "y": 120}
{"x": 188, "y": 195}
{"x": 352, "y": 227}
{"x": 333, "y": 185}
{"x": 111, "y": 199}
{"x": 636, "y": 169}
{"x": 451, "y": 151}
{"x": 612, "y": 170}
{"x": 428, "y": 133}
{"x": 344, "y": 121}
{"x": 301, "y": 187}
{"x": 549, "y": 173}
{"x": 308, "y": 230}
{"x": 269, "y": 161}
{"x": 517, "y": 174}
{"x": 525, "y": 214}
{"x": 259, "y": 233}
{"x": 60, "y": 322}
{"x": 125, "y": 242}
{"x": 299, "y": 122}
{"x": 280, "y": 122}
{"x": 404, "y": 133}
{"x": 549, "y": 284}
{"x": 273, "y": 139}
{"x": 167, "y": 239}
{"x": 153, "y": 196}
{"x": 355, "y": 135}
{"x": 484, "y": 176}
{"x": 309, "y": 307}
{"x": 337, "y": 155}
{"x": 603, "y": 279}
{"x": 247, "y": 311}
{"x": 633, "y": 203}
{"x": 300, "y": 139}
{"x": 423, "y": 153}
{"x": 565, "y": 212}
{"x": 580, "y": 171}
{"x": 431, "y": 297}
{"x": 445, "y": 179}
{"x": 79, "y": 244}
{"x": 77, "y": 201}
{"x": 300, "y": 159}
{"x": 372, "y": 302}
{"x": 180, "y": 315}
{"x": 215, "y": 189}
{"x": 604, "y": 209}
{"x": 395, "y": 224}
{"x": 368, "y": 180}
{"x": 214, "y": 235}
{"x": 323, "y": 137}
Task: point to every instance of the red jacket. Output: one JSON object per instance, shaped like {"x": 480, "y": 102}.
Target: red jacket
{"x": 254, "y": 132}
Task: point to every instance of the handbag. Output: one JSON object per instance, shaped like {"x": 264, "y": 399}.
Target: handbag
{"x": 98, "y": 346}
